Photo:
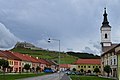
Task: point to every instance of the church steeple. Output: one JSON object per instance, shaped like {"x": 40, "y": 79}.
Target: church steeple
{"x": 105, "y": 22}
{"x": 105, "y": 31}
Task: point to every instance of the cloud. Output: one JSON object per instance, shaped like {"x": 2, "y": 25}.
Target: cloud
{"x": 93, "y": 47}
{"x": 7, "y": 39}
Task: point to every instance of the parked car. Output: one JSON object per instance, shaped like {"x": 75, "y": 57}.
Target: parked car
{"x": 48, "y": 71}
{"x": 71, "y": 73}
{"x": 79, "y": 73}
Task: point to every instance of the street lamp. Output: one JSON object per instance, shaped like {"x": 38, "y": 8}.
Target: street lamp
{"x": 49, "y": 40}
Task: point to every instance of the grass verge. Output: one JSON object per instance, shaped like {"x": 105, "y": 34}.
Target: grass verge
{"x": 19, "y": 76}
{"x": 79, "y": 77}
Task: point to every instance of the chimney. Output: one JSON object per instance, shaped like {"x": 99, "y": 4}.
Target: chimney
{"x": 37, "y": 58}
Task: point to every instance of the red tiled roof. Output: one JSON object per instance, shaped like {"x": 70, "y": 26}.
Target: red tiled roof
{"x": 45, "y": 62}
{"x": 21, "y": 56}
{"x": 25, "y": 57}
{"x": 88, "y": 61}
{"x": 50, "y": 62}
{"x": 42, "y": 61}
{"x": 65, "y": 65}
{"x": 32, "y": 59}
{"x": 2, "y": 54}
{"x": 10, "y": 55}
{"x": 29, "y": 58}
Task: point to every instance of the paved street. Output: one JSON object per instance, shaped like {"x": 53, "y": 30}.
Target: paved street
{"x": 65, "y": 77}
{"x": 54, "y": 76}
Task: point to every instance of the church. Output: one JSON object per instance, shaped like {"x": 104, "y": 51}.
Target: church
{"x": 110, "y": 51}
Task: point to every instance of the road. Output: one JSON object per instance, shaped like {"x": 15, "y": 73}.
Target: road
{"x": 54, "y": 76}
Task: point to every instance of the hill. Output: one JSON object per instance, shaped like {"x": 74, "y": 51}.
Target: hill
{"x": 83, "y": 55}
{"x": 27, "y": 45}
{"x": 65, "y": 58}
{"x": 44, "y": 54}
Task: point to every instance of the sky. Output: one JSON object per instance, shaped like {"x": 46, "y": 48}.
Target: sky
{"x": 76, "y": 23}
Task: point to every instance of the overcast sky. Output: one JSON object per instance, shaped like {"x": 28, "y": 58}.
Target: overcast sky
{"x": 76, "y": 23}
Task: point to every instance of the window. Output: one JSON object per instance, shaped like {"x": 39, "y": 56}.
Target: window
{"x": 12, "y": 62}
{"x": 15, "y": 63}
{"x": 93, "y": 66}
{"x": 106, "y": 36}
{"x": 99, "y": 66}
{"x": 111, "y": 61}
{"x": 88, "y": 66}
{"x": 107, "y": 62}
{"x": 114, "y": 52}
{"x": 78, "y": 66}
{"x": 114, "y": 61}
{"x": 20, "y": 63}
{"x": 81, "y": 66}
{"x": 84, "y": 66}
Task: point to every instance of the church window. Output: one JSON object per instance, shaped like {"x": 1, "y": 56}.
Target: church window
{"x": 106, "y": 36}
{"x": 111, "y": 61}
{"x": 114, "y": 61}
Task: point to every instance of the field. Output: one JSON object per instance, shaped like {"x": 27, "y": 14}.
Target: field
{"x": 19, "y": 76}
{"x": 79, "y": 77}
{"x": 51, "y": 55}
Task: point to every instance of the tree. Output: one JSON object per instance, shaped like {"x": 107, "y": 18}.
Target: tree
{"x": 33, "y": 69}
{"x": 37, "y": 68}
{"x": 27, "y": 67}
{"x": 107, "y": 69}
{"x": 74, "y": 69}
{"x": 96, "y": 70}
{"x": 82, "y": 70}
{"x": 89, "y": 71}
{"x": 4, "y": 64}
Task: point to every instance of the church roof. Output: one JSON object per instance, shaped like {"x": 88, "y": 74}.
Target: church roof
{"x": 105, "y": 22}
{"x": 118, "y": 52}
{"x": 108, "y": 49}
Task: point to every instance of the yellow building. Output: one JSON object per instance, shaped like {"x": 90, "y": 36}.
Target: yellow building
{"x": 88, "y": 65}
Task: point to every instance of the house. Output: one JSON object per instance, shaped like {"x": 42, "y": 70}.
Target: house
{"x": 34, "y": 61}
{"x": 52, "y": 64}
{"x": 64, "y": 67}
{"x": 72, "y": 66}
{"x": 14, "y": 62}
{"x": 24, "y": 59}
{"x": 17, "y": 62}
{"x": 88, "y": 65}
{"x": 43, "y": 64}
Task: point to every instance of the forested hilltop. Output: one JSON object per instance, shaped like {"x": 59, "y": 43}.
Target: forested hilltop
{"x": 84, "y": 55}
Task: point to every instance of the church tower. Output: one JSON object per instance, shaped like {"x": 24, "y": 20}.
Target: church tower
{"x": 105, "y": 31}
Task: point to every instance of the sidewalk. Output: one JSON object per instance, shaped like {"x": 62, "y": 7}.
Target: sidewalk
{"x": 108, "y": 77}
